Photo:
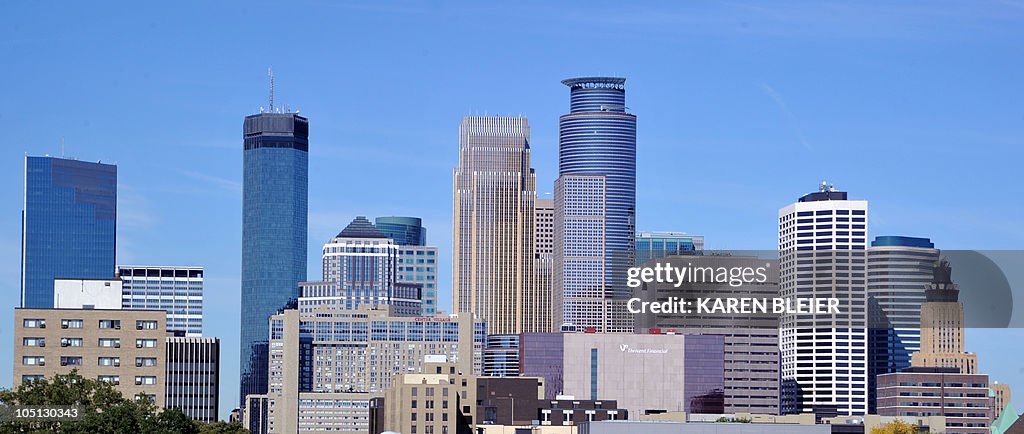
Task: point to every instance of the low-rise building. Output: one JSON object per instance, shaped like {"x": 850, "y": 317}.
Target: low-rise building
{"x": 193, "y": 376}
{"x": 442, "y": 399}
{"x": 566, "y": 410}
{"x": 916, "y": 391}
{"x": 123, "y": 347}
{"x": 646, "y": 373}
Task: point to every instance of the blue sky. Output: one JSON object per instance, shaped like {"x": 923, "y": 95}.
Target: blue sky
{"x": 741, "y": 108}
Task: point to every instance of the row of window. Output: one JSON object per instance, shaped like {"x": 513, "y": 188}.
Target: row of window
{"x": 115, "y": 324}
{"x": 77, "y": 361}
{"x": 78, "y": 342}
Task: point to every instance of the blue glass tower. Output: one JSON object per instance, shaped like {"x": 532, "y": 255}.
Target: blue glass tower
{"x": 595, "y": 205}
{"x": 406, "y": 231}
{"x": 900, "y": 271}
{"x": 68, "y": 225}
{"x": 274, "y": 230}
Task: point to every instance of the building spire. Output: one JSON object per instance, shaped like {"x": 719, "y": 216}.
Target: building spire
{"x": 270, "y": 74}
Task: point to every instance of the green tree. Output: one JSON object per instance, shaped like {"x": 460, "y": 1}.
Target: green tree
{"x": 103, "y": 410}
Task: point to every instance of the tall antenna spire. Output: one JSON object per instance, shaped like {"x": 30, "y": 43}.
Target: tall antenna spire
{"x": 270, "y": 73}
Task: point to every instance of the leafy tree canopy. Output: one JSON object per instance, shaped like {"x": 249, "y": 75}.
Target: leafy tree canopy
{"x": 102, "y": 409}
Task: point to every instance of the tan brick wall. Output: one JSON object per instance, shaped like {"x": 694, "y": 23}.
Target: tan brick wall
{"x": 90, "y": 351}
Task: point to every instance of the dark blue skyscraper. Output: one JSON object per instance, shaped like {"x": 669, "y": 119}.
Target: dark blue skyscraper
{"x": 406, "y": 231}
{"x": 595, "y": 206}
{"x": 273, "y": 231}
{"x": 68, "y": 225}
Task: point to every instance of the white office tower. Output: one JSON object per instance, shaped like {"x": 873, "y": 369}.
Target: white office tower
{"x": 822, "y": 254}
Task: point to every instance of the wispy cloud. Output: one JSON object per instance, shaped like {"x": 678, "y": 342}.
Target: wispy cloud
{"x": 216, "y": 181}
{"x": 787, "y": 113}
{"x": 134, "y": 209}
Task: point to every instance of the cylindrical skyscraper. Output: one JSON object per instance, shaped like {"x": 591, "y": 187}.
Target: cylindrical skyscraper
{"x": 274, "y": 197}
{"x": 595, "y": 206}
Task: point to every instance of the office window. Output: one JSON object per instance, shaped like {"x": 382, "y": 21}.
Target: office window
{"x": 110, "y": 324}
{"x": 109, "y": 361}
{"x": 71, "y": 361}
{"x": 145, "y": 343}
{"x": 32, "y": 323}
{"x": 71, "y": 342}
{"x": 33, "y": 342}
{"x": 71, "y": 323}
{"x": 112, "y": 379}
{"x": 33, "y": 361}
{"x": 110, "y": 343}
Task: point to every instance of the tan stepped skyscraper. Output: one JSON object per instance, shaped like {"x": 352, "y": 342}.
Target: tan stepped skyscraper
{"x": 493, "y": 234}
{"x": 942, "y": 326}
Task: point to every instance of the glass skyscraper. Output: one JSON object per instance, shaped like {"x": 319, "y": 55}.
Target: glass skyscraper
{"x": 274, "y": 228}
{"x": 406, "y": 231}
{"x": 68, "y": 225}
{"x": 899, "y": 274}
{"x": 595, "y": 206}
{"x": 417, "y": 262}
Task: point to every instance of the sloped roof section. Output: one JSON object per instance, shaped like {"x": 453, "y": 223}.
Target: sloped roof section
{"x": 361, "y": 228}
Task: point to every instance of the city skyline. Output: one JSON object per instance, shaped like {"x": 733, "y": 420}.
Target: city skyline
{"x": 784, "y": 118}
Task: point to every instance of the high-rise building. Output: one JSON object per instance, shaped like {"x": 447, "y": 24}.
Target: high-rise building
{"x": 193, "y": 376}
{"x": 417, "y": 262}
{"x": 342, "y": 359}
{"x": 274, "y": 230}
{"x": 751, "y": 339}
{"x": 899, "y": 271}
{"x": 595, "y": 206}
{"x": 417, "y": 265}
{"x": 543, "y": 266}
{"x": 406, "y": 231}
{"x": 943, "y": 379}
{"x": 357, "y": 353}
{"x": 942, "y": 326}
{"x": 822, "y": 254}
{"x": 361, "y": 263}
{"x": 544, "y": 227}
{"x": 122, "y": 347}
{"x": 654, "y": 245}
{"x": 493, "y": 233}
{"x": 68, "y": 225}
{"x": 360, "y": 267}
{"x": 177, "y": 290}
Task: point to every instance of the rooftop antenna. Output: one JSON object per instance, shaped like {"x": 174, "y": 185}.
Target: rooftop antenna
{"x": 270, "y": 74}
{"x": 62, "y": 147}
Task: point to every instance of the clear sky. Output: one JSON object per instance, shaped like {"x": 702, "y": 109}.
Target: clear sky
{"x": 741, "y": 108}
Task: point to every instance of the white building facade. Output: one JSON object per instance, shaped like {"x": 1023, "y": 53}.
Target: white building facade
{"x": 822, "y": 254}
